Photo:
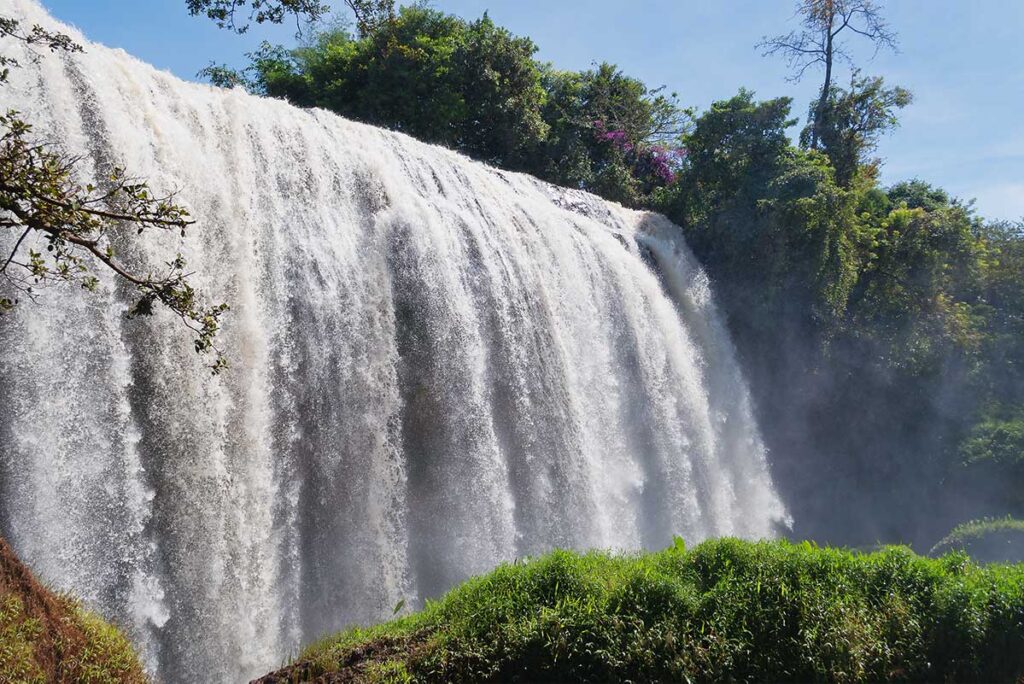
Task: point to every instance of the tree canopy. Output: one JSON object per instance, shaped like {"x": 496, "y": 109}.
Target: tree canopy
{"x": 880, "y": 326}
{"x": 237, "y": 15}
{"x": 851, "y": 121}
{"x": 477, "y": 88}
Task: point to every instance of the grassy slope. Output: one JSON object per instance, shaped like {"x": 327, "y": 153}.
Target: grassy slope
{"x": 999, "y": 540}
{"x": 45, "y": 637}
{"x": 727, "y": 610}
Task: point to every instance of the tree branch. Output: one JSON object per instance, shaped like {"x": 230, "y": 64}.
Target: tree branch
{"x": 14, "y": 251}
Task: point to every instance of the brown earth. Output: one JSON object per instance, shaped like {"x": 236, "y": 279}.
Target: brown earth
{"x": 355, "y": 666}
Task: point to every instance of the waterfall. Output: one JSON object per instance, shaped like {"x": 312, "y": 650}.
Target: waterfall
{"x": 436, "y": 366}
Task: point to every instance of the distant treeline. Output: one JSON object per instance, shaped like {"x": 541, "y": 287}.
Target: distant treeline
{"x": 882, "y": 328}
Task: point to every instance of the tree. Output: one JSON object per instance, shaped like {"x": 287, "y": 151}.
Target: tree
{"x": 1002, "y": 246}
{"x": 851, "y": 121}
{"x": 499, "y": 86}
{"x": 768, "y": 222}
{"x": 819, "y": 43}
{"x": 79, "y": 225}
{"x": 732, "y": 153}
{"x": 472, "y": 86}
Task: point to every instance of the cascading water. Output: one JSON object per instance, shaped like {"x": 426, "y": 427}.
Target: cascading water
{"x": 435, "y": 367}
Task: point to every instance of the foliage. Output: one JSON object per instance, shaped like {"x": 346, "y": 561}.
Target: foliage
{"x": 608, "y": 133}
{"x": 1000, "y": 249}
{"x": 370, "y": 15}
{"x": 875, "y": 325}
{"x": 17, "y": 634}
{"x": 226, "y": 12}
{"x": 993, "y": 451}
{"x": 727, "y": 610}
{"x": 850, "y": 122}
{"x": 968, "y": 530}
{"x": 911, "y": 287}
{"x": 37, "y": 35}
{"x": 735, "y": 148}
{"x": 764, "y": 218}
{"x": 475, "y": 87}
{"x": 40, "y": 197}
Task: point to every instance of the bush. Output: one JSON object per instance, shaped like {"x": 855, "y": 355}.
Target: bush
{"x": 727, "y": 610}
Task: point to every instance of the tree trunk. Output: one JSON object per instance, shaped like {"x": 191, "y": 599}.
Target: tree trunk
{"x": 825, "y": 88}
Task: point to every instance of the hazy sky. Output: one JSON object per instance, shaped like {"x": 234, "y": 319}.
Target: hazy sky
{"x": 962, "y": 59}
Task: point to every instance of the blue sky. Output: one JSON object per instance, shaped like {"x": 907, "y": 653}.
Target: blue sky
{"x": 962, "y": 60}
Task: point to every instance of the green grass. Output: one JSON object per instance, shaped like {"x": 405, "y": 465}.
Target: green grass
{"x": 726, "y": 610}
{"x": 105, "y": 656}
{"x": 49, "y": 637}
{"x": 18, "y": 634}
{"x": 79, "y": 646}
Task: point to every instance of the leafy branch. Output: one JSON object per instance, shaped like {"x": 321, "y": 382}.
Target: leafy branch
{"x": 226, "y": 12}
{"x": 11, "y": 28}
{"x": 238, "y": 15}
{"x": 39, "y": 195}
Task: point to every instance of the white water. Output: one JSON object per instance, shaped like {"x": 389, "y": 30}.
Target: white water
{"x": 436, "y": 367}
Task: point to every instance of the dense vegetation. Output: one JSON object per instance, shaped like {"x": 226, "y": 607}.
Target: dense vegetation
{"x": 47, "y": 637}
{"x": 882, "y": 328}
{"x": 725, "y": 611}
{"x": 475, "y": 87}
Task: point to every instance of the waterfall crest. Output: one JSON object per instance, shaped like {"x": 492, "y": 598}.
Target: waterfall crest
{"x": 436, "y": 366}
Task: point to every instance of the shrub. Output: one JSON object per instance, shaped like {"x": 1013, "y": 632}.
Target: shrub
{"x": 727, "y": 610}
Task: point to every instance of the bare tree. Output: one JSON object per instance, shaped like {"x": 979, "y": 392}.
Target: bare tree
{"x": 819, "y": 42}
